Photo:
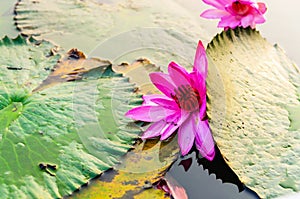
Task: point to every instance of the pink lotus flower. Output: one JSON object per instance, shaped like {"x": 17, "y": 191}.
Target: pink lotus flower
{"x": 182, "y": 107}
{"x": 234, "y": 13}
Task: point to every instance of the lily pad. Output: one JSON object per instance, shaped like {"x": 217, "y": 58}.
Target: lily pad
{"x": 138, "y": 73}
{"x": 134, "y": 177}
{"x": 74, "y": 66}
{"x": 252, "y": 126}
{"x": 63, "y": 21}
{"x": 55, "y": 140}
{"x": 92, "y": 22}
{"x": 24, "y": 63}
{"x": 146, "y": 163}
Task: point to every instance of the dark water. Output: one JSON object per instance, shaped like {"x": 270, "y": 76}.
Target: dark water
{"x": 204, "y": 179}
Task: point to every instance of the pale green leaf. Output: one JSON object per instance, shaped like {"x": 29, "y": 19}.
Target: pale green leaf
{"x": 253, "y": 92}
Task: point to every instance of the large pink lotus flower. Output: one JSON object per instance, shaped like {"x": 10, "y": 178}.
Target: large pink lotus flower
{"x": 234, "y": 13}
{"x": 182, "y": 107}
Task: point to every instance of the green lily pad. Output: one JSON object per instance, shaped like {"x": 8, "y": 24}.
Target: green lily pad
{"x": 25, "y": 65}
{"x": 55, "y": 140}
{"x": 258, "y": 85}
{"x": 146, "y": 163}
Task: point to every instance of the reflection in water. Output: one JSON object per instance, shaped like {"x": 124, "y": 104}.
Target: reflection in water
{"x": 212, "y": 180}
{"x": 220, "y": 168}
{"x": 186, "y": 163}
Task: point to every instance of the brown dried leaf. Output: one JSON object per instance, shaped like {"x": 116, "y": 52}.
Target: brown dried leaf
{"x": 138, "y": 73}
{"x": 73, "y": 67}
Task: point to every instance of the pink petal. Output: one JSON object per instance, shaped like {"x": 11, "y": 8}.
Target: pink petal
{"x": 200, "y": 61}
{"x": 204, "y": 141}
{"x": 163, "y": 82}
{"x": 166, "y": 103}
{"x": 198, "y": 82}
{"x": 173, "y": 118}
{"x": 173, "y": 126}
{"x": 262, "y": 7}
{"x": 154, "y": 130}
{"x": 178, "y": 74}
{"x": 176, "y": 190}
{"x": 157, "y": 128}
{"x": 230, "y": 10}
{"x": 213, "y": 14}
{"x": 186, "y": 135}
{"x": 200, "y": 85}
{"x": 149, "y": 113}
{"x": 225, "y": 2}
{"x": 229, "y": 21}
{"x": 148, "y": 98}
{"x": 247, "y": 2}
{"x": 220, "y": 4}
{"x": 248, "y": 21}
{"x": 202, "y": 111}
{"x": 162, "y": 185}
{"x": 259, "y": 19}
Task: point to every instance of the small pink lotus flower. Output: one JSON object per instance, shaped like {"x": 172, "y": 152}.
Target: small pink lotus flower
{"x": 182, "y": 107}
{"x": 234, "y": 13}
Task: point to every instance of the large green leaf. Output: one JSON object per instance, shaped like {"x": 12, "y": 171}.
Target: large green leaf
{"x": 54, "y": 140}
{"x": 24, "y": 66}
{"x": 253, "y": 92}
{"x": 146, "y": 163}
{"x": 134, "y": 177}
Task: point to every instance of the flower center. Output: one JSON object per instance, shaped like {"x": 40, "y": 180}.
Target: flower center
{"x": 240, "y": 8}
{"x": 187, "y": 98}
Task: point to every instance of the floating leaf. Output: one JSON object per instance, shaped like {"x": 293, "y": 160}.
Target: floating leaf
{"x": 91, "y": 23}
{"x": 252, "y": 92}
{"x": 138, "y": 73}
{"x": 142, "y": 166}
{"x": 55, "y": 140}
{"x": 73, "y": 67}
{"x": 146, "y": 163}
{"x": 64, "y": 21}
{"x": 133, "y": 178}
{"x": 19, "y": 60}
